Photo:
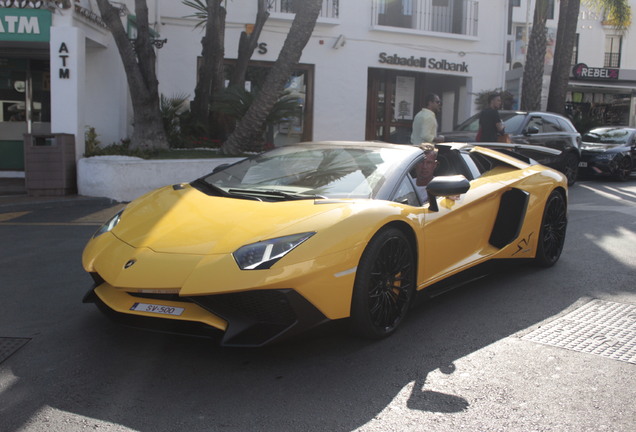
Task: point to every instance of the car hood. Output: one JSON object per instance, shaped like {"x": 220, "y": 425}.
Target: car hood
{"x": 185, "y": 220}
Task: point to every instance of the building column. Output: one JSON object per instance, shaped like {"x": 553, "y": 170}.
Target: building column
{"x": 68, "y": 75}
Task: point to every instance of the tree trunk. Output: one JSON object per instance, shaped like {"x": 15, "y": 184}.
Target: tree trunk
{"x": 566, "y": 36}
{"x": 247, "y": 45}
{"x": 210, "y": 74}
{"x": 139, "y": 65}
{"x": 535, "y": 58}
{"x": 254, "y": 120}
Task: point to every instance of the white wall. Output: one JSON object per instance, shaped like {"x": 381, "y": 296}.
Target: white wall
{"x": 340, "y": 74}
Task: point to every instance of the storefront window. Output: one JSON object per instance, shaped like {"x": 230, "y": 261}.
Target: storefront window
{"x": 25, "y": 106}
{"x": 282, "y": 128}
{"x": 391, "y": 105}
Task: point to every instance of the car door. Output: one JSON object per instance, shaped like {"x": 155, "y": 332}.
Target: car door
{"x": 632, "y": 149}
{"x": 536, "y": 132}
{"x": 457, "y": 235}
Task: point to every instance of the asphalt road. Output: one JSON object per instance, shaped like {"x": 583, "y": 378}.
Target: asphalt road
{"x": 470, "y": 360}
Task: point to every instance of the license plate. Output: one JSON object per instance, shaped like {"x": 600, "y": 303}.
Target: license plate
{"x": 583, "y": 164}
{"x": 158, "y": 309}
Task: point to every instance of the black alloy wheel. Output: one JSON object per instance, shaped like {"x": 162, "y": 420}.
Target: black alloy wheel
{"x": 553, "y": 228}
{"x": 571, "y": 168}
{"x": 623, "y": 169}
{"x": 384, "y": 285}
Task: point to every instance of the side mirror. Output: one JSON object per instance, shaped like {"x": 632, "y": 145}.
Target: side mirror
{"x": 532, "y": 130}
{"x": 446, "y": 186}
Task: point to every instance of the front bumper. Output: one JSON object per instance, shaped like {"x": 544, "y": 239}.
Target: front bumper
{"x": 243, "y": 319}
{"x": 597, "y": 166}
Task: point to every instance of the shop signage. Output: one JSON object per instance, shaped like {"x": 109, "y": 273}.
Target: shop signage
{"x": 581, "y": 71}
{"x": 25, "y": 25}
{"x": 65, "y": 72}
{"x": 423, "y": 62}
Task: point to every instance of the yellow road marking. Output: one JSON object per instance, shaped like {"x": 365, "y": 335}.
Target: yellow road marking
{"x": 101, "y": 216}
{"x": 93, "y": 219}
{"x": 8, "y": 216}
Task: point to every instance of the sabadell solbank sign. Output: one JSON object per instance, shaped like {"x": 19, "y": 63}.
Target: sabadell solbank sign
{"x": 422, "y": 62}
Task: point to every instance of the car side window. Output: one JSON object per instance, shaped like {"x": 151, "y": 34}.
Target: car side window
{"x": 406, "y": 194}
{"x": 481, "y": 162}
{"x": 536, "y": 122}
{"x": 566, "y": 125}
{"x": 550, "y": 124}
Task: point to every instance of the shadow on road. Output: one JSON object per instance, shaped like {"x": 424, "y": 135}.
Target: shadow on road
{"x": 81, "y": 363}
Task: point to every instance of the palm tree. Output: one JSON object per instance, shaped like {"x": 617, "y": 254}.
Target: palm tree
{"x": 211, "y": 15}
{"x": 139, "y": 65}
{"x": 301, "y": 29}
{"x": 533, "y": 71}
{"x": 617, "y": 13}
{"x": 234, "y": 102}
{"x": 210, "y": 74}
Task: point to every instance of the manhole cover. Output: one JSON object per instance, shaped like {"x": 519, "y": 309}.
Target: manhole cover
{"x": 599, "y": 327}
{"x": 10, "y": 345}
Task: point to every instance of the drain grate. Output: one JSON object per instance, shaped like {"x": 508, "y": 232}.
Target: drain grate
{"x": 599, "y": 327}
{"x": 9, "y": 345}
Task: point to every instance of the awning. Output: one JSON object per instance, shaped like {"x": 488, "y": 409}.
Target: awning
{"x": 603, "y": 87}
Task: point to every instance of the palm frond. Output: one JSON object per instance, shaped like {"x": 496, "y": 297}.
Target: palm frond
{"x": 201, "y": 11}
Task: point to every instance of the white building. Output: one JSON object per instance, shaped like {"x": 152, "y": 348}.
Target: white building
{"x": 602, "y": 84}
{"x": 362, "y": 75}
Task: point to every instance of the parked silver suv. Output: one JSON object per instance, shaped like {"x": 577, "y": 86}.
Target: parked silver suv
{"x": 534, "y": 128}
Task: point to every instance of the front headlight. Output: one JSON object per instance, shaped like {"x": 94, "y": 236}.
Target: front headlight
{"x": 112, "y": 222}
{"x": 263, "y": 255}
{"x": 593, "y": 148}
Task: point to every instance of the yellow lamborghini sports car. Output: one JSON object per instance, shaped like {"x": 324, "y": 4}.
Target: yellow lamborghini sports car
{"x": 283, "y": 241}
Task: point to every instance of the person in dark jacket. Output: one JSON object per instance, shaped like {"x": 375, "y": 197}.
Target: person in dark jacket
{"x": 490, "y": 124}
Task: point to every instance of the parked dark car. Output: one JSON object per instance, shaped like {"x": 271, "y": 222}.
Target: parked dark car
{"x": 609, "y": 151}
{"x": 534, "y": 128}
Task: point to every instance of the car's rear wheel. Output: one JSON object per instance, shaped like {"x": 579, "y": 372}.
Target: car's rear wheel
{"x": 570, "y": 167}
{"x": 623, "y": 169}
{"x": 552, "y": 233}
{"x": 384, "y": 285}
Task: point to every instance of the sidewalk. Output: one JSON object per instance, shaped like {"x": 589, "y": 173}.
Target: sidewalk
{"x": 12, "y": 186}
{"x": 13, "y": 192}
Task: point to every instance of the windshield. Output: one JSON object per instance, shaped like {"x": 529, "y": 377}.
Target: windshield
{"x": 303, "y": 172}
{"x": 607, "y": 136}
{"x": 512, "y": 121}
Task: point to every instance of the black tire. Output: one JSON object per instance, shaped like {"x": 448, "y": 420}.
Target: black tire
{"x": 623, "y": 169}
{"x": 570, "y": 167}
{"x": 552, "y": 234}
{"x": 384, "y": 286}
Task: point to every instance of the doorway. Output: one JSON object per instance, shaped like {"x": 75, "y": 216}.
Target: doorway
{"x": 393, "y": 99}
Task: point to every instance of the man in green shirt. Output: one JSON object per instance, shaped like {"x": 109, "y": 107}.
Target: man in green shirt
{"x": 425, "y": 122}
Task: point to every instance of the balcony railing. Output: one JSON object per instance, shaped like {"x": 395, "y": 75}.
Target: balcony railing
{"x": 440, "y": 16}
{"x": 612, "y": 60}
{"x": 329, "y": 7}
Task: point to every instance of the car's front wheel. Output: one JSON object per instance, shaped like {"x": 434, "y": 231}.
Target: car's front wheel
{"x": 552, "y": 233}
{"x": 384, "y": 285}
{"x": 623, "y": 169}
{"x": 570, "y": 168}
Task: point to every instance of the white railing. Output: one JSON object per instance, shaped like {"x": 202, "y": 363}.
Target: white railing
{"x": 449, "y": 16}
{"x": 329, "y": 7}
